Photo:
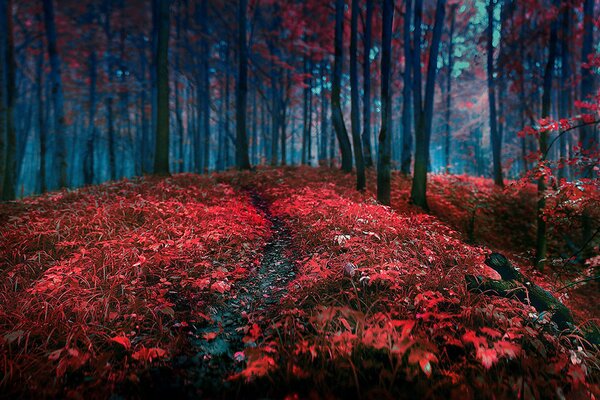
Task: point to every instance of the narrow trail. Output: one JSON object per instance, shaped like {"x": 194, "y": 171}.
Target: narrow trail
{"x": 252, "y": 300}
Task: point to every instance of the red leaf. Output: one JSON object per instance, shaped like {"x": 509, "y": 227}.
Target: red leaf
{"x": 122, "y": 340}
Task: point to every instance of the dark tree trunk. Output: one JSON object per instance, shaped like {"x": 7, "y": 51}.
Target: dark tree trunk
{"x": 4, "y": 11}
{"x": 385, "y": 140}
{"x": 305, "y": 117}
{"x": 57, "y": 92}
{"x": 241, "y": 142}
{"x": 41, "y": 116}
{"x": 406, "y": 157}
{"x": 336, "y": 108}
{"x": 161, "y": 161}
{"x": 586, "y": 134}
{"x": 447, "y": 137}
{"x": 275, "y": 104}
{"x": 424, "y": 112}
{"x": 88, "y": 160}
{"x": 109, "y": 96}
{"x": 325, "y": 133}
{"x": 355, "y": 106}
{"x": 282, "y": 88}
{"x": 366, "y": 135}
{"x": 10, "y": 166}
{"x": 496, "y": 138}
{"x": 541, "y": 240}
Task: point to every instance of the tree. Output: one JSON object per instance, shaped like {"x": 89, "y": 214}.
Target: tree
{"x": 161, "y": 161}
{"x": 57, "y": 92}
{"x": 3, "y": 92}
{"x": 241, "y": 144}
{"x": 385, "y": 139}
{"x": 7, "y": 104}
{"x": 449, "y": 88}
{"x": 354, "y": 112}
{"x": 495, "y": 135}
{"x": 541, "y": 239}
{"x": 366, "y": 135}
{"x": 423, "y": 111}
{"x": 406, "y": 157}
{"x": 586, "y": 134}
{"x": 336, "y": 109}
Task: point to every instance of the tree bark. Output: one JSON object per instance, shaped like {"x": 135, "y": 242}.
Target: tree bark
{"x": 385, "y": 145}
{"x": 161, "y": 161}
{"x": 88, "y": 163}
{"x": 241, "y": 143}
{"x": 496, "y": 138}
{"x": 424, "y": 112}
{"x": 57, "y": 92}
{"x": 366, "y": 135}
{"x": 336, "y": 109}
{"x": 541, "y": 240}
{"x": 355, "y": 106}
{"x": 406, "y": 157}
{"x": 447, "y": 137}
{"x": 586, "y": 134}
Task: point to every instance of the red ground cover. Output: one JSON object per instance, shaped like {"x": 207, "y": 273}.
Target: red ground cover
{"x": 101, "y": 283}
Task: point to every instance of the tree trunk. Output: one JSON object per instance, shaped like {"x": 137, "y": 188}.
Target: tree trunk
{"x": 8, "y": 177}
{"x": 161, "y": 161}
{"x": 495, "y": 136}
{"x": 4, "y": 11}
{"x": 57, "y": 92}
{"x": 355, "y": 106}
{"x": 541, "y": 241}
{"x": 40, "y": 115}
{"x": 241, "y": 142}
{"x": 336, "y": 108}
{"x": 424, "y": 112}
{"x": 449, "y": 89}
{"x": 366, "y": 135}
{"x": 88, "y": 163}
{"x": 385, "y": 145}
{"x": 324, "y": 134}
{"x": 586, "y": 134}
{"x": 406, "y": 157}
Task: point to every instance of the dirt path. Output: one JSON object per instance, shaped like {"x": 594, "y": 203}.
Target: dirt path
{"x": 251, "y": 300}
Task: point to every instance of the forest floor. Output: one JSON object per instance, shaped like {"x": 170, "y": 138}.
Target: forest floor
{"x": 280, "y": 283}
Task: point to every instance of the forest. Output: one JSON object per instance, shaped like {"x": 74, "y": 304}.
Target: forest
{"x": 300, "y": 199}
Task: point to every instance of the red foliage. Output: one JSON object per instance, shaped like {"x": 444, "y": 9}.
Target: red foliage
{"x": 94, "y": 282}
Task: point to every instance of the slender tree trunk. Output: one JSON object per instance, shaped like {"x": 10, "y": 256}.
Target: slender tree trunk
{"x": 41, "y": 118}
{"x": 449, "y": 89}
{"x": 336, "y": 108}
{"x": 57, "y": 92}
{"x": 241, "y": 143}
{"x": 385, "y": 140}
{"x": 424, "y": 112}
{"x": 586, "y": 134}
{"x": 283, "y": 111}
{"x": 4, "y": 15}
{"x": 161, "y": 161}
{"x": 305, "y": 117}
{"x": 366, "y": 135}
{"x": 406, "y": 157}
{"x": 325, "y": 133}
{"x": 541, "y": 241}
{"x": 88, "y": 163}
{"x": 275, "y": 103}
{"x": 10, "y": 166}
{"x": 205, "y": 88}
{"x": 254, "y": 134}
{"x": 355, "y": 106}
{"x": 496, "y": 139}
